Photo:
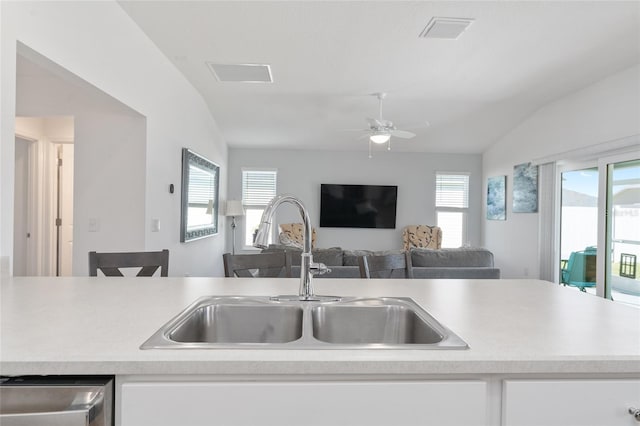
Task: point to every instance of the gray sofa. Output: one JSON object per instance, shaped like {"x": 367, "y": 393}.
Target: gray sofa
{"x": 476, "y": 263}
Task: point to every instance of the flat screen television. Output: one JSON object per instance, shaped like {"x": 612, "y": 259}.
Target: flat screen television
{"x": 358, "y": 206}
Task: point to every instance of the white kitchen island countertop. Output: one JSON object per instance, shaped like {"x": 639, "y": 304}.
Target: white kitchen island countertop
{"x": 85, "y": 325}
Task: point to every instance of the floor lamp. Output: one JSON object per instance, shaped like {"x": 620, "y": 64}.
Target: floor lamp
{"x": 234, "y": 208}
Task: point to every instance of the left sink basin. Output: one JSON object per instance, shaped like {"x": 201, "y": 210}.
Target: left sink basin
{"x": 230, "y": 320}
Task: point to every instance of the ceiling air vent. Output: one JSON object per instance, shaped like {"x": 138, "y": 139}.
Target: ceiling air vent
{"x": 242, "y": 73}
{"x": 445, "y": 28}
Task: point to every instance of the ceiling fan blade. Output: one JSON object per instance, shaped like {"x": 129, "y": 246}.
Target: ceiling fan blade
{"x": 366, "y": 135}
{"x": 421, "y": 125}
{"x": 353, "y": 130}
{"x": 402, "y": 134}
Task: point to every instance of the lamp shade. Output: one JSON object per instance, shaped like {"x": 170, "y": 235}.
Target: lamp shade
{"x": 234, "y": 208}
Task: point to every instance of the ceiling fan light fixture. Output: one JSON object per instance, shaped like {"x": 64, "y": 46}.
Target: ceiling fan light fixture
{"x": 380, "y": 137}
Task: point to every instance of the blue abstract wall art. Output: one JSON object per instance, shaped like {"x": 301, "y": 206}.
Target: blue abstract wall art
{"x": 496, "y": 198}
{"x": 525, "y": 188}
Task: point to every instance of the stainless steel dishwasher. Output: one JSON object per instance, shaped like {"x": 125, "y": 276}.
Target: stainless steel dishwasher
{"x": 56, "y": 401}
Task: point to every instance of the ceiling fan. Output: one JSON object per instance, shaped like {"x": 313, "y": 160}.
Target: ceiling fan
{"x": 381, "y": 130}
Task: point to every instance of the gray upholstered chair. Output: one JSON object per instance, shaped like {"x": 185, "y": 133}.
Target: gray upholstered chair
{"x": 111, "y": 263}
{"x": 292, "y": 234}
{"x": 421, "y": 236}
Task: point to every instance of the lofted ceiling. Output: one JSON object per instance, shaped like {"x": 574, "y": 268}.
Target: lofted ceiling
{"x": 328, "y": 57}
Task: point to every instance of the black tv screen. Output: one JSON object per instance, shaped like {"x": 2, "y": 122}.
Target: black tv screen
{"x": 358, "y": 206}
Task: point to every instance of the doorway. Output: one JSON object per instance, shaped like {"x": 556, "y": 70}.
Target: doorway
{"x": 43, "y": 197}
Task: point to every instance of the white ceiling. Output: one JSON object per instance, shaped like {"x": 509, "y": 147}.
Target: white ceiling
{"x": 326, "y": 57}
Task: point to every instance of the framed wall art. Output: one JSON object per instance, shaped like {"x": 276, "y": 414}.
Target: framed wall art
{"x": 496, "y": 198}
{"x": 525, "y": 188}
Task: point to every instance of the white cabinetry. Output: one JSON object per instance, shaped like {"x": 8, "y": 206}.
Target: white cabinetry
{"x": 570, "y": 402}
{"x": 366, "y": 403}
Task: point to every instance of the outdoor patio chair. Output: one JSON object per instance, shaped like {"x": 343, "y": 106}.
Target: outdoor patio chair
{"x": 580, "y": 270}
{"x": 628, "y": 265}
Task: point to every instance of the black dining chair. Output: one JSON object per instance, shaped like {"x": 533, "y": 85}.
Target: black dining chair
{"x": 384, "y": 265}
{"x": 257, "y": 265}
{"x": 111, "y": 263}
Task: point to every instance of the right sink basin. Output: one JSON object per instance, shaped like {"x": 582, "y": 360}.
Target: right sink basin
{"x": 372, "y": 321}
{"x": 381, "y": 322}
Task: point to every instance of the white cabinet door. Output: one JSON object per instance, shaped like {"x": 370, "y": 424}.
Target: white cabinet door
{"x": 570, "y": 402}
{"x": 441, "y": 403}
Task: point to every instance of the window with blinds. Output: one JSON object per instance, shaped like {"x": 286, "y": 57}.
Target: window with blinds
{"x": 258, "y": 188}
{"x": 452, "y": 204}
{"x": 452, "y": 190}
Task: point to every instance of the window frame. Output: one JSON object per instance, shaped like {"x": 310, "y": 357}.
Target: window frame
{"x": 255, "y": 206}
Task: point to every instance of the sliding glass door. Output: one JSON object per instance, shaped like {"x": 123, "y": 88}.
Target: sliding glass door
{"x": 622, "y": 236}
{"x": 600, "y": 228}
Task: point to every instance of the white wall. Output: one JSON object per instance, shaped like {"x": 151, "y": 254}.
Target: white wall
{"x": 605, "y": 111}
{"x": 301, "y": 172}
{"x": 109, "y": 185}
{"x": 100, "y": 44}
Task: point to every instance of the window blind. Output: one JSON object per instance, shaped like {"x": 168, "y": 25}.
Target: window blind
{"x": 258, "y": 186}
{"x": 452, "y": 190}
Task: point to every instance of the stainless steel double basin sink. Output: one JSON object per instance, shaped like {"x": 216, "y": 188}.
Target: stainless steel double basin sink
{"x": 233, "y": 322}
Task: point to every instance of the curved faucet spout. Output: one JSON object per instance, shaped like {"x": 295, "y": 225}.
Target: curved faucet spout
{"x": 307, "y": 267}
{"x": 262, "y": 237}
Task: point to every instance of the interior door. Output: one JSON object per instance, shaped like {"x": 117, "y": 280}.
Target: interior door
{"x": 21, "y": 208}
{"x": 65, "y": 209}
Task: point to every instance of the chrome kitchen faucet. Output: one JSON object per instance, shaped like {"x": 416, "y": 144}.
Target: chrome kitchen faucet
{"x": 307, "y": 267}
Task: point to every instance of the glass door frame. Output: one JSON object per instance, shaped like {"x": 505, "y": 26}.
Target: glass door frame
{"x": 569, "y": 166}
{"x": 605, "y": 170}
